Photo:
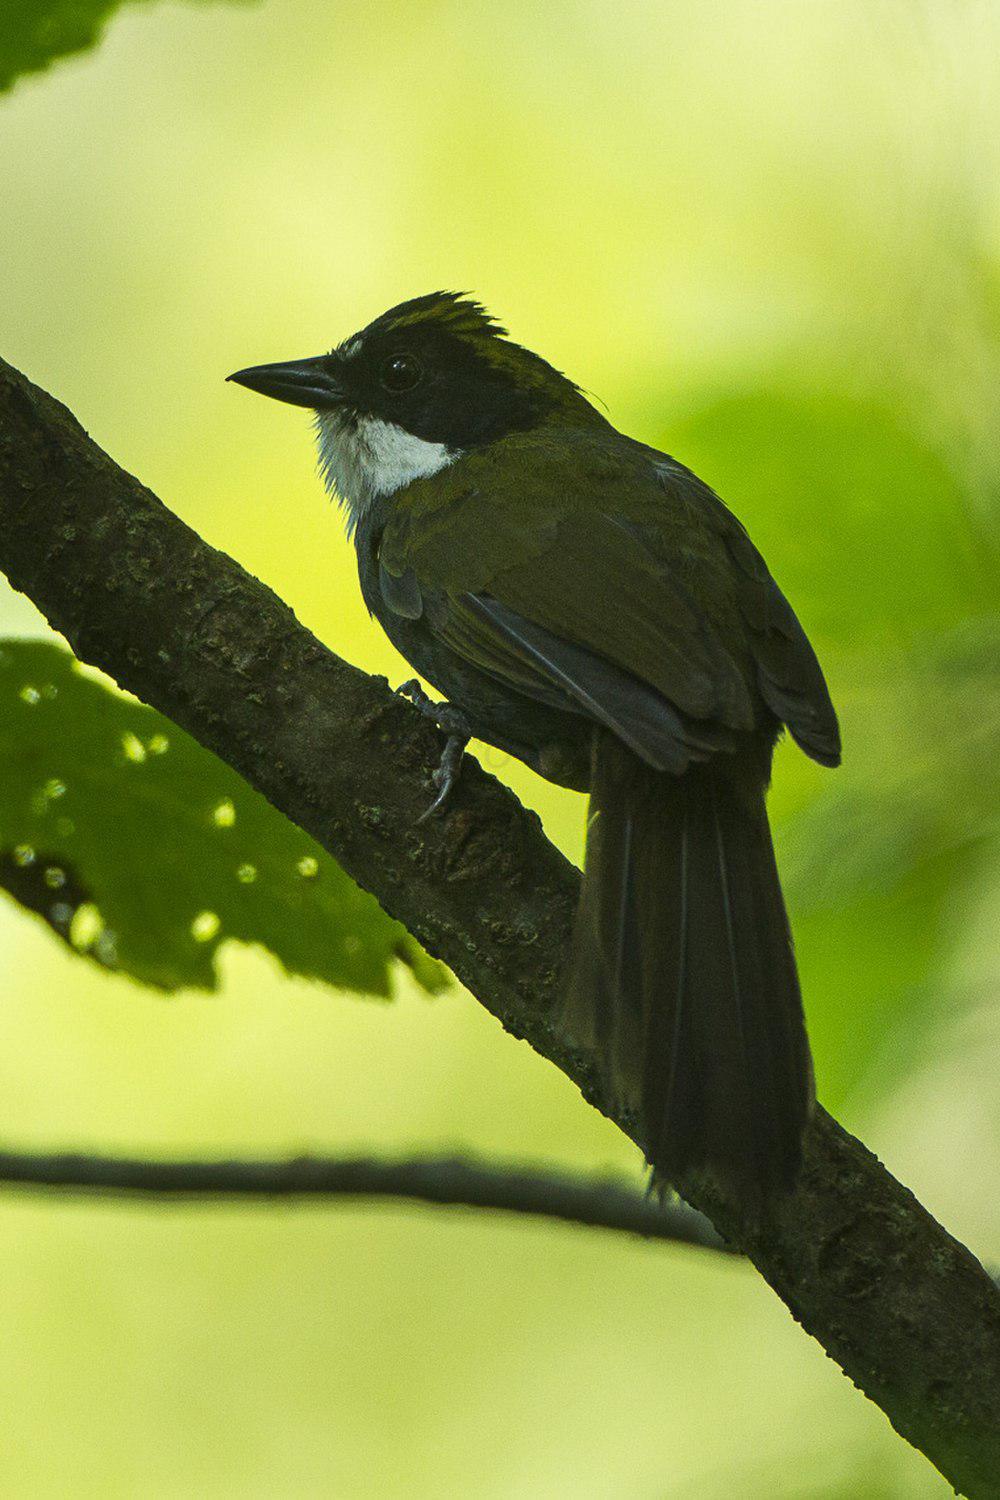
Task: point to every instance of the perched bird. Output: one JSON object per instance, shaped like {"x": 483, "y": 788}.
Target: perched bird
{"x": 590, "y": 606}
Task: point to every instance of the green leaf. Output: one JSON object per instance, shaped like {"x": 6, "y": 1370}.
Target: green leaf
{"x": 146, "y": 852}
{"x": 35, "y": 33}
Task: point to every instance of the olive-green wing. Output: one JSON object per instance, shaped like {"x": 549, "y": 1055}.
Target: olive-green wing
{"x": 789, "y": 675}
{"x": 525, "y": 655}
{"x": 576, "y": 570}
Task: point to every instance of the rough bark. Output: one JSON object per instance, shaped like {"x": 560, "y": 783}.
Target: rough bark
{"x": 906, "y": 1310}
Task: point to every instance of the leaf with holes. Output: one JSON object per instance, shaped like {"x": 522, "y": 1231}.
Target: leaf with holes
{"x": 145, "y": 852}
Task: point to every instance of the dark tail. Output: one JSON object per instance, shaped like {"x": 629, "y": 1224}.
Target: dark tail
{"x": 684, "y": 980}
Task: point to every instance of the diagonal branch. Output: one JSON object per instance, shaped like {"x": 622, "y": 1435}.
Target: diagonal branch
{"x": 907, "y": 1311}
{"x": 445, "y": 1180}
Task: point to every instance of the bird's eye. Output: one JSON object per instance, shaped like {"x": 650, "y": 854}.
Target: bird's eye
{"x": 401, "y": 373}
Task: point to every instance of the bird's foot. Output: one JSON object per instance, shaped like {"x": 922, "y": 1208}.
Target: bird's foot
{"x": 456, "y": 726}
{"x": 412, "y": 690}
{"x": 446, "y": 773}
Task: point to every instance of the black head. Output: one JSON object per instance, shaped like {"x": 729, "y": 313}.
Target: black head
{"x": 439, "y": 367}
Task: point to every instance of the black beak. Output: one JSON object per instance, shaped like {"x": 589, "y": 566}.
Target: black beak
{"x": 302, "y": 382}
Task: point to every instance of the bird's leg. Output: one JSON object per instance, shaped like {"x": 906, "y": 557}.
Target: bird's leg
{"x": 459, "y": 731}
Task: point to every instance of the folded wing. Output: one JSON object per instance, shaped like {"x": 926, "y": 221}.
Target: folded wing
{"x": 639, "y": 601}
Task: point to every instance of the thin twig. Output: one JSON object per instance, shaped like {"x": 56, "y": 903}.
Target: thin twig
{"x": 444, "y": 1180}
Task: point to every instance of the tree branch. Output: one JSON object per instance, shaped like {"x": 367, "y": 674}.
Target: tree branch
{"x": 907, "y": 1311}
{"x": 444, "y": 1180}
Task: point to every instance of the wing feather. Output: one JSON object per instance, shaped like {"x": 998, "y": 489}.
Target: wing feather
{"x": 637, "y": 599}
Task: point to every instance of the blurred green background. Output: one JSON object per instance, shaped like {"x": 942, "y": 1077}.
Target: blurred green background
{"x": 767, "y": 234}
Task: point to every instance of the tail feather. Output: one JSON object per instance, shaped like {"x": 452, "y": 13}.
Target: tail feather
{"x": 684, "y": 979}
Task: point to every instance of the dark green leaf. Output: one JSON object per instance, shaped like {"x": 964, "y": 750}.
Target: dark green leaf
{"x": 35, "y": 33}
{"x": 159, "y": 851}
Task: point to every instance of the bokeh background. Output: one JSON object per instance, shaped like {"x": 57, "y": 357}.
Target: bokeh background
{"x": 767, "y": 234}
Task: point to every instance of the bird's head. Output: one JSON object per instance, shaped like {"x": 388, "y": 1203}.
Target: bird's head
{"x": 422, "y": 384}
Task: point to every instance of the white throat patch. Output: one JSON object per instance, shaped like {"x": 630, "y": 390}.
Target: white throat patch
{"x": 360, "y": 461}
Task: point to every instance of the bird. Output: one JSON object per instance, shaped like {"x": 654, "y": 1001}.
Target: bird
{"x": 587, "y": 604}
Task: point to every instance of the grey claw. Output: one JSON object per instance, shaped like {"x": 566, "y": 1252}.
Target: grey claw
{"x": 452, "y": 722}
{"x": 446, "y": 774}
